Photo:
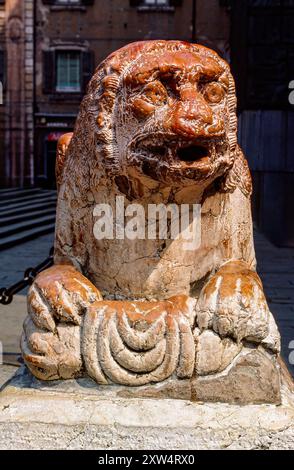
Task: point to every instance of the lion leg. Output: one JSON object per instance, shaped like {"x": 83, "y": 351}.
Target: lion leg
{"x": 232, "y": 311}
{"x": 51, "y": 338}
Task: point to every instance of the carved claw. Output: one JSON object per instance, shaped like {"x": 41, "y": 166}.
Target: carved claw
{"x": 59, "y": 295}
{"x": 52, "y": 356}
{"x": 233, "y": 304}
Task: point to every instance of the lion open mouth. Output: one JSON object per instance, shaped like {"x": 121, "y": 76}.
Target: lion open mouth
{"x": 180, "y": 153}
{"x": 193, "y": 153}
{"x": 157, "y": 157}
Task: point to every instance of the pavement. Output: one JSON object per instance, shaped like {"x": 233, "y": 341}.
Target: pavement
{"x": 13, "y": 262}
{"x": 275, "y": 267}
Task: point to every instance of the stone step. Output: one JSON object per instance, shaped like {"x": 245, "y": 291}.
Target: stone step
{"x": 85, "y": 415}
{"x": 28, "y": 208}
{"x": 27, "y": 216}
{"x": 23, "y": 205}
{"x": 41, "y": 196}
{"x": 10, "y": 190}
{"x": 18, "y": 227}
{"x": 26, "y": 235}
{"x": 18, "y": 193}
{"x": 13, "y": 190}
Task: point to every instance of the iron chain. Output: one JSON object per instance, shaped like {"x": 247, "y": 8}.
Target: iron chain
{"x": 7, "y": 293}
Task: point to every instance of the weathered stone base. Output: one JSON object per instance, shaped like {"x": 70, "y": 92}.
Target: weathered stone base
{"x": 252, "y": 378}
{"x": 80, "y": 415}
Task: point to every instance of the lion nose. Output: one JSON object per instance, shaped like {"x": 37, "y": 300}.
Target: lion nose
{"x": 191, "y": 115}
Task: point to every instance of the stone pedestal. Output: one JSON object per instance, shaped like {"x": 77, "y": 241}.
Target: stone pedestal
{"x": 78, "y": 414}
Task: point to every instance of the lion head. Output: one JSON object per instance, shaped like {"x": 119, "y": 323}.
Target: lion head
{"x": 162, "y": 113}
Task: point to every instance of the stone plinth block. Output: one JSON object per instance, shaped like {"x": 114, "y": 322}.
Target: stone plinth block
{"x": 78, "y": 414}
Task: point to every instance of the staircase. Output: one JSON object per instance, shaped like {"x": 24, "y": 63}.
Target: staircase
{"x": 25, "y": 214}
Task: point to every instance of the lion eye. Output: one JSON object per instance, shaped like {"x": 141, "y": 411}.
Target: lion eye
{"x": 142, "y": 108}
{"x": 214, "y": 92}
{"x": 155, "y": 93}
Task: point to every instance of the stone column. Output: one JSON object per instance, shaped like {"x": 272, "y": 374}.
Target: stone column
{"x": 2, "y": 101}
{"x": 29, "y": 89}
{"x": 19, "y": 93}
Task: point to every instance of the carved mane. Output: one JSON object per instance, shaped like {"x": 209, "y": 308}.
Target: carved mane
{"x": 93, "y": 151}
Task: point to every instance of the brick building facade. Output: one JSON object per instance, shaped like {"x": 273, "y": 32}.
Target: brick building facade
{"x": 50, "y": 49}
{"x": 17, "y": 78}
{"x": 2, "y": 109}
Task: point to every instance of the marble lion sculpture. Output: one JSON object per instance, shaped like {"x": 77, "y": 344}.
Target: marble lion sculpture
{"x": 158, "y": 125}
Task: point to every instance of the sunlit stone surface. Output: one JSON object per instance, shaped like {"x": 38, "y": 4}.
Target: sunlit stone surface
{"x": 158, "y": 125}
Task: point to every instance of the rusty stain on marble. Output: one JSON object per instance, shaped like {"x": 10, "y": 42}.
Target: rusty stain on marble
{"x": 158, "y": 125}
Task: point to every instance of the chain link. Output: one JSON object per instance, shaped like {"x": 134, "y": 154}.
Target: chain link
{"x": 7, "y": 293}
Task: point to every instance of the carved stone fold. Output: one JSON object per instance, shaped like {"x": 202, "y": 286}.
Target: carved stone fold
{"x": 140, "y": 342}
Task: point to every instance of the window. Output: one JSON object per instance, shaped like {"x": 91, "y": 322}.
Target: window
{"x": 67, "y": 70}
{"x": 164, "y": 5}
{"x": 68, "y": 78}
{"x": 156, "y": 3}
{"x": 67, "y": 2}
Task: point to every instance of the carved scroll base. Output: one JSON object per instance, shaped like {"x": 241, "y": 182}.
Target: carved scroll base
{"x": 136, "y": 343}
{"x": 150, "y": 349}
{"x": 165, "y": 360}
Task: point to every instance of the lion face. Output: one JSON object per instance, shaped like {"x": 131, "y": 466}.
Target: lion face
{"x": 161, "y": 114}
{"x": 172, "y": 117}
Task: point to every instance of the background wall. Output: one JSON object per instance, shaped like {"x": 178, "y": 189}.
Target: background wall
{"x": 255, "y": 36}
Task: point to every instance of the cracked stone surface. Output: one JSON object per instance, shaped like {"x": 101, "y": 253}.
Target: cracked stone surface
{"x": 158, "y": 125}
{"x": 78, "y": 414}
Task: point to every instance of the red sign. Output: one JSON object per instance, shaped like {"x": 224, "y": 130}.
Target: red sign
{"x": 54, "y": 136}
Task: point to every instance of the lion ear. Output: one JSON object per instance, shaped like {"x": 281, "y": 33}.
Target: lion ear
{"x": 239, "y": 175}
{"x": 62, "y": 146}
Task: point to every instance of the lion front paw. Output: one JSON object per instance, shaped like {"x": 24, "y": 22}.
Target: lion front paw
{"x": 52, "y": 356}
{"x": 233, "y": 304}
{"x": 51, "y": 340}
{"x": 60, "y": 293}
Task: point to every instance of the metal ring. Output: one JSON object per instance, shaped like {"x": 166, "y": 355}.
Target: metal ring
{"x": 30, "y": 275}
{"x": 5, "y": 298}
